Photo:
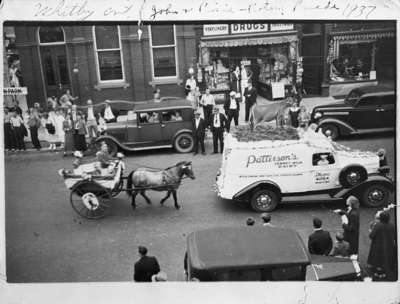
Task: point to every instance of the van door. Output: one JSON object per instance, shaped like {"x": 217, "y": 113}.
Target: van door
{"x": 324, "y": 171}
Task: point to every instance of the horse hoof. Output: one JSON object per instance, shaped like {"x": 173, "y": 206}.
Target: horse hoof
{"x": 177, "y": 207}
{"x": 133, "y": 207}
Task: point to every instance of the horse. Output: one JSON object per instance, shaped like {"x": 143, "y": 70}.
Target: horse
{"x": 169, "y": 179}
{"x": 268, "y": 111}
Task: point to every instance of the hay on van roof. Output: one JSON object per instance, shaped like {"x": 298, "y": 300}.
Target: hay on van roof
{"x": 264, "y": 131}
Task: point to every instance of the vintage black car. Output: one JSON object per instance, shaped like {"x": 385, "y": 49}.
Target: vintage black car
{"x": 260, "y": 254}
{"x": 151, "y": 125}
{"x": 364, "y": 110}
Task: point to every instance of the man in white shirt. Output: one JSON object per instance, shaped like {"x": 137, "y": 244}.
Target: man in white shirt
{"x": 231, "y": 108}
{"x": 108, "y": 113}
{"x": 91, "y": 122}
{"x": 208, "y": 103}
{"x": 217, "y": 128}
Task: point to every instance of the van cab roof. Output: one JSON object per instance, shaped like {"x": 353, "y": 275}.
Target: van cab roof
{"x": 236, "y": 247}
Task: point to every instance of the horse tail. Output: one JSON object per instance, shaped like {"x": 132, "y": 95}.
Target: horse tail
{"x": 129, "y": 183}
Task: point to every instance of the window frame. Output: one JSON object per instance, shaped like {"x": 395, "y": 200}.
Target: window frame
{"x": 96, "y": 51}
{"x": 160, "y": 47}
{"x": 50, "y": 43}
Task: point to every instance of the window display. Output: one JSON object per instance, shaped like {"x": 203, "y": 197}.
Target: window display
{"x": 275, "y": 65}
{"x": 354, "y": 62}
{"x": 217, "y": 73}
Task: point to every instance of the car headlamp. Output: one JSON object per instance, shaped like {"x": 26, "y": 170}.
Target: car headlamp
{"x": 317, "y": 115}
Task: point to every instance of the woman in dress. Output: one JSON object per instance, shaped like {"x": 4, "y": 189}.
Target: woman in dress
{"x": 80, "y": 132}
{"x": 68, "y": 129}
{"x": 58, "y": 124}
{"x": 51, "y": 129}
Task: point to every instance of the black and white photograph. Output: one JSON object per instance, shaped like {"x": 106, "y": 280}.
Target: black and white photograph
{"x": 200, "y": 151}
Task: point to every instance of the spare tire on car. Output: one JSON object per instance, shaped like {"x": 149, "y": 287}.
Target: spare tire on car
{"x": 352, "y": 176}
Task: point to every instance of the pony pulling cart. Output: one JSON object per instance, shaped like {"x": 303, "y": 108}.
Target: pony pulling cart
{"x": 92, "y": 188}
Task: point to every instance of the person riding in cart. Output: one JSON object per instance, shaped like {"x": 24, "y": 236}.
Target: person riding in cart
{"x": 104, "y": 157}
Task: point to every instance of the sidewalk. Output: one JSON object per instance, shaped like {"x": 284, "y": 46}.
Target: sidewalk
{"x": 309, "y": 102}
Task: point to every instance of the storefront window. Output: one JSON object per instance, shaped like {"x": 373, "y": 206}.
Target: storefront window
{"x": 108, "y": 53}
{"x": 353, "y": 63}
{"x": 274, "y": 64}
{"x": 163, "y": 50}
{"x": 51, "y": 34}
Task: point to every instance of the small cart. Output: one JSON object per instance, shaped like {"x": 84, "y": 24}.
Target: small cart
{"x": 91, "y": 193}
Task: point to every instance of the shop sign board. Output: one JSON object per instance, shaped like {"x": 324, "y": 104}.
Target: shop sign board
{"x": 281, "y": 26}
{"x": 240, "y": 28}
{"x": 15, "y": 91}
{"x": 245, "y": 62}
{"x": 215, "y": 29}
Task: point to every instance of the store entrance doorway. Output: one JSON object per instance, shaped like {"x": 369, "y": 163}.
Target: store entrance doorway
{"x": 55, "y": 69}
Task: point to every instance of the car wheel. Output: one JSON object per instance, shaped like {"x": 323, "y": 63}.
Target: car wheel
{"x": 352, "y": 176}
{"x": 264, "y": 200}
{"x": 332, "y": 129}
{"x": 112, "y": 146}
{"x": 184, "y": 143}
{"x": 375, "y": 195}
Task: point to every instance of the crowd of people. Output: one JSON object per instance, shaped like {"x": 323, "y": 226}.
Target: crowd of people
{"x": 66, "y": 126}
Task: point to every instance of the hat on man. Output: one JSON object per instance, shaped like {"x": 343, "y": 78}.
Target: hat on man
{"x": 250, "y": 221}
{"x": 266, "y": 217}
{"x": 232, "y": 93}
{"x": 381, "y": 152}
{"x": 197, "y": 113}
{"x": 216, "y": 109}
{"x": 106, "y": 101}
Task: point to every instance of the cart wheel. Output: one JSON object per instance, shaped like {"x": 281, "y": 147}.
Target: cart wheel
{"x": 90, "y": 200}
{"x": 117, "y": 190}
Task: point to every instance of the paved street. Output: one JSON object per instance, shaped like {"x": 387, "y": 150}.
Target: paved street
{"x": 46, "y": 241}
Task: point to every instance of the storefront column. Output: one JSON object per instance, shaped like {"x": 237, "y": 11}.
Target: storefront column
{"x": 325, "y": 64}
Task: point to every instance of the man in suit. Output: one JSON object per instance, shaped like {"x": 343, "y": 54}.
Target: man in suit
{"x": 145, "y": 267}
{"x": 218, "y": 125}
{"x": 108, "y": 113}
{"x": 319, "y": 242}
{"x": 199, "y": 132}
{"x": 351, "y": 226}
{"x": 250, "y": 95}
{"x": 232, "y": 108}
{"x": 91, "y": 122}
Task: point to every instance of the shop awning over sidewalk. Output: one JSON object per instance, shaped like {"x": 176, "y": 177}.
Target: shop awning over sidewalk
{"x": 245, "y": 41}
{"x": 363, "y": 35}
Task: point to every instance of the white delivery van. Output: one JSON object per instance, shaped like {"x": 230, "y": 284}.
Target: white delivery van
{"x": 266, "y": 171}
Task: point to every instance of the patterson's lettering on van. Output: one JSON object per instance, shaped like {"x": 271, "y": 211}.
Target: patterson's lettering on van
{"x": 289, "y": 160}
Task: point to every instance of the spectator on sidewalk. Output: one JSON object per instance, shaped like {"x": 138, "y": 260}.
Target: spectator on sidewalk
{"x": 67, "y": 100}
{"x": 18, "y": 131}
{"x": 208, "y": 103}
{"x": 351, "y": 227}
{"x": 250, "y": 95}
{"x": 341, "y": 248}
{"x": 68, "y": 128}
{"x": 145, "y": 267}
{"x": 51, "y": 130}
{"x": 9, "y": 143}
{"x": 157, "y": 95}
{"x": 199, "y": 131}
{"x": 108, "y": 113}
{"x": 232, "y": 108}
{"x": 80, "y": 132}
{"x": 58, "y": 124}
{"x": 91, "y": 122}
{"x": 34, "y": 123}
{"x": 218, "y": 127}
{"x": 319, "y": 242}
{"x": 382, "y": 255}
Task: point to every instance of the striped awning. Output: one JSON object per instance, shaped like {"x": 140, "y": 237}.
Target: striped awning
{"x": 367, "y": 35}
{"x": 248, "y": 41}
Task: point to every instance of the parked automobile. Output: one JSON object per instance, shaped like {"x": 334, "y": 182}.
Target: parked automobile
{"x": 364, "y": 110}
{"x": 152, "y": 125}
{"x": 260, "y": 254}
{"x": 267, "y": 172}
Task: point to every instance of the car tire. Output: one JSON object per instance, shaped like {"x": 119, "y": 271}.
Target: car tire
{"x": 112, "y": 146}
{"x": 184, "y": 142}
{"x": 332, "y": 128}
{"x": 264, "y": 200}
{"x": 352, "y": 176}
{"x": 376, "y": 195}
